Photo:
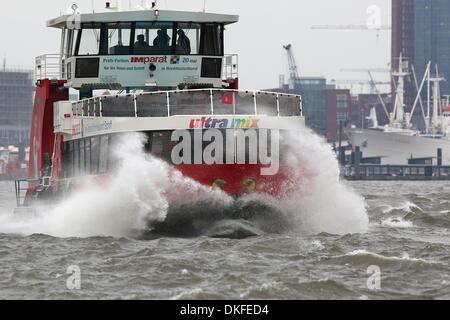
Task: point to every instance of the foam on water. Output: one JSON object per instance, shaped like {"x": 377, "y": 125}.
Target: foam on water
{"x": 139, "y": 193}
{"x": 143, "y": 191}
{"x": 406, "y": 206}
{"x": 367, "y": 254}
{"x": 188, "y": 294}
{"x": 398, "y": 222}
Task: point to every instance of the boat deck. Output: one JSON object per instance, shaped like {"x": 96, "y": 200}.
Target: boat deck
{"x": 191, "y": 103}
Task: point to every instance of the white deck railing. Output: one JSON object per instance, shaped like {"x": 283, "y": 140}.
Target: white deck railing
{"x": 230, "y": 67}
{"x": 219, "y": 102}
{"x": 48, "y": 66}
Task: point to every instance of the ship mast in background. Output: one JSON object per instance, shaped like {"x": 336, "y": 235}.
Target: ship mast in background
{"x": 437, "y": 105}
{"x": 397, "y": 118}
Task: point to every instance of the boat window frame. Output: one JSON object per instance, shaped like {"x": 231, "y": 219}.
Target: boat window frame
{"x": 220, "y": 34}
{"x": 76, "y": 160}
{"x": 95, "y": 154}
{"x": 104, "y": 152}
{"x": 197, "y": 36}
{"x": 82, "y": 164}
{"x": 154, "y": 23}
{"x": 90, "y": 26}
{"x": 104, "y": 45}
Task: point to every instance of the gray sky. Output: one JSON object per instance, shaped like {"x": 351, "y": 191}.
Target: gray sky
{"x": 264, "y": 27}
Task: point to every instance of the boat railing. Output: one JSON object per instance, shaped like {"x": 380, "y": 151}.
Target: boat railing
{"x": 48, "y": 66}
{"x": 21, "y": 187}
{"x": 230, "y": 67}
{"x": 215, "y": 102}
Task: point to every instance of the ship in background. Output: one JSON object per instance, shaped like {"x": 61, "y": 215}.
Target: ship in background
{"x": 397, "y": 142}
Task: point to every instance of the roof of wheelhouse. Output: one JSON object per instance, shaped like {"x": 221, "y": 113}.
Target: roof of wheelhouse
{"x": 144, "y": 16}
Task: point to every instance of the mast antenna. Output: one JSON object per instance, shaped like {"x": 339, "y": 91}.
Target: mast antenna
{"x": 204, "y": 5}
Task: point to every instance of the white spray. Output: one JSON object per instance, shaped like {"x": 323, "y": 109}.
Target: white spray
{"x": 139, "y": 193}
{"x": 321, "y": 202}
{"x": 143, "y": 188}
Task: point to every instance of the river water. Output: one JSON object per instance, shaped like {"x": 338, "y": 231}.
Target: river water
{"x": 407, "y": 241}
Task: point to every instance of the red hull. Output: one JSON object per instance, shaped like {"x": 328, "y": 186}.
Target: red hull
{"x": 240, "y": 179}
{"x": 235, "y": 180}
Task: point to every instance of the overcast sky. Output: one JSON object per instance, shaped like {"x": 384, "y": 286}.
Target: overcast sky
{"x": 265, "y": 26}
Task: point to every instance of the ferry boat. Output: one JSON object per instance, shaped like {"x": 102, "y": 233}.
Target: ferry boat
{"x": 163, "y": 71}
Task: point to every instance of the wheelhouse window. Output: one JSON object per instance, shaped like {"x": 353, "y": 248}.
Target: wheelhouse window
{"x": 70, "y": 41}
{"x": 211, "y": 43}
{"x": 188, "y": 38}
{"x": 119, "y": 39}
{"x": 89, "y": 41}
{"x": 153, "y": 38}
{"x": 145, "y": 38}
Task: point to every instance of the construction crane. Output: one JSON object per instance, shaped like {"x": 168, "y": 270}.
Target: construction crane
{"x": 293, "y": 69}
{"x": 373, "y": 82}
{"x": 373, "y": 70}
{"x": 351, "y": 27}
{"x": 362, "y": 83}
{"x": 354, "y": 27}
{"x": 358, "y": 82}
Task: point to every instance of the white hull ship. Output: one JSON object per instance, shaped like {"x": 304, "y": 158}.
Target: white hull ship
{"x": 397, "y": 148}
{"x": 397, "y": 142}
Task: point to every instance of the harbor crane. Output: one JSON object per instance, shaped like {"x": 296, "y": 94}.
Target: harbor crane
{"x": 354, "y": 27}
{"x": 373, "y": 83}
{"x": 294, "y": 75}
{"x": 362, "y": 83}
{"x": 351, "y": 27}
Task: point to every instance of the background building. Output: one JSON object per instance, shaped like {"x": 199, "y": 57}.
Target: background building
{"x": 361, "y": 106}
{"x": 421, "y": 32}
{"x": 432, "y": 37}
{"x": 16, "y": 103}
{"x": 403, "y": 41}
{"x": 339, "y": 102}
{"x": 314, "y": 96}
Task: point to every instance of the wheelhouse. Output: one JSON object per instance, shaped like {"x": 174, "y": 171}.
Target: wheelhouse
{"x": 142, "y": 50}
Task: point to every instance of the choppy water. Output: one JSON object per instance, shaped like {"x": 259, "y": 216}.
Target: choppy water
{"x": 408, "y": 239}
